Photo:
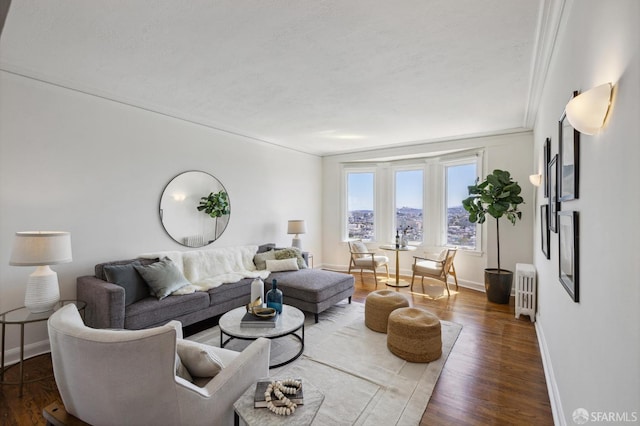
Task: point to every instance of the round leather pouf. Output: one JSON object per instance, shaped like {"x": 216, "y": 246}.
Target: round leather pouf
{"x": 378, "y": 305}
{"x": 414, "y": 335}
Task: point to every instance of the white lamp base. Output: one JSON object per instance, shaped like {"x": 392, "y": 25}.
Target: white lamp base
{"x": 296, "y": 242}
{"x": 42, "y": 290}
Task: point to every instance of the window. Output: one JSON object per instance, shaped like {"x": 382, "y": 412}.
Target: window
{"x": 360, "y": 202}
{"x": 422, "y": 195}
{"x": 459, "y": 231}
{"x": 409, "y": 203}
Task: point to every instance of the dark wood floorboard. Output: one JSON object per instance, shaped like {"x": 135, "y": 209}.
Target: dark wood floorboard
{"x": 493, "y": 375}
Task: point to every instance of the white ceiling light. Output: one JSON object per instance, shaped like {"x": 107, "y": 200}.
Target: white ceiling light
{"x": 588, "y": 111}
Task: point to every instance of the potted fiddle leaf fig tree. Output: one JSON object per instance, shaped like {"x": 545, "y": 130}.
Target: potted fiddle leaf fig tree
{"x": 498, "y": 195}
{"x": 215, "y": 205}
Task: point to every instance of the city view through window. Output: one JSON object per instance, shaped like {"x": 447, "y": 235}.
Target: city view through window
{"x": 360, "y": 199}
{"x": 409, "y": 202}
{"x": 409, "y": 192}
{"x": 460, "y": 232}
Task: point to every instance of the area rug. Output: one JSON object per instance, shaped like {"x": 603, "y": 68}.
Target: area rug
{"x": 363, "y": 383}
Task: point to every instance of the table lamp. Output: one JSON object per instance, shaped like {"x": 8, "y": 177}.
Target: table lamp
{"x": 297, "y": 227}
{"x": 41, "y": 249}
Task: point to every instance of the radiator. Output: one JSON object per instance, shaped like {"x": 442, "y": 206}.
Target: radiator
{"x": 193, "y": 241}
{"x": 525, "y": 290}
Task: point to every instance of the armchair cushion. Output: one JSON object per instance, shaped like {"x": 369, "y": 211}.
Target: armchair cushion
{"x": 163, "y": 277}
{"x": 359, "y": 247}
{"x": 181, "y": 370}
{"x": 428, "y": 267}
{"x": 367, "y": 262}
{"x": 200, "y": 360}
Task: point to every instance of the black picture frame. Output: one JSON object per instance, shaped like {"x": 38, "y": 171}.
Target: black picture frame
{"x": 546, "y": 159}
{"x": 568, "y": 259}
{"x": 568, "y": 160}
{"x": 552, "y": 170}
{"x": 544, "y": 230}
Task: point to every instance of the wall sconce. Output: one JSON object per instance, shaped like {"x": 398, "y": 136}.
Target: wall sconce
{"x": 588, "y": 111}
{"x": 535, "y": 179}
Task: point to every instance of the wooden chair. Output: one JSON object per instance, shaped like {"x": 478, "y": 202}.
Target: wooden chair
{"x": 437, "y": 269}
{"x": 362, "y": 258}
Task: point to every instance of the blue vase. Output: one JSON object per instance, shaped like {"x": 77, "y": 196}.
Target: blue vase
{"x": 274, "y": 297}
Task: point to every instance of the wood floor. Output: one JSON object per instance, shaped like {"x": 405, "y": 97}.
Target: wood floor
{"x": 493, "y": 375}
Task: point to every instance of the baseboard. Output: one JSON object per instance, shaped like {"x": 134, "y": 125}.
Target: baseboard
{"x": 552, "y": 386}
{"x": 407, "y": 275}
{"x": 12, "y": 356}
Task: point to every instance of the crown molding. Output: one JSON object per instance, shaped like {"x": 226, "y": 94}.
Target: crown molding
{"x": 548, "y": 28}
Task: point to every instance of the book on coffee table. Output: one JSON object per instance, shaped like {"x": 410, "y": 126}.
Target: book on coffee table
{"x": 250, "y": 320}
{"x": 260, "y": 401}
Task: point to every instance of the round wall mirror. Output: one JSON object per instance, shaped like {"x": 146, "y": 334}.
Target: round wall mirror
{"x": 194, "y": 208}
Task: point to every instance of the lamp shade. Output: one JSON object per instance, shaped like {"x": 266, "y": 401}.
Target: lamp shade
{"x": 297, "y": 227}
{"x": 41, "y": 248}
{"x": 588, "y": 111}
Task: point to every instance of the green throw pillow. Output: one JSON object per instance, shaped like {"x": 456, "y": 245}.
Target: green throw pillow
{"x": 291, "y": 252}
{"x": 126, "y": 276}
{"x": 162, "y": 277}
{"x": 260, "y": 259}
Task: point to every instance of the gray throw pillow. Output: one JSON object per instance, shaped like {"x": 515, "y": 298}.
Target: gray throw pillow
{"x": 163, "y": 277}
{"x": 199, "y": 359}
{"x": 126, "y": 276}
{"x": 260, "y": 259}
{"x": 266, "y": 247}
{"x": 290, "y": 252}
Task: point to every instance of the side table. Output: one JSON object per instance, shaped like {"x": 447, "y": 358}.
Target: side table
{"x": 304, "y": 415}
{"x": 21, "y": 316}
{"x": 398, "y": 282}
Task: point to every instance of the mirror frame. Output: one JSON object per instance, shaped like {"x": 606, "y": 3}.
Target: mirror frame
{"x": 180, "y": 199}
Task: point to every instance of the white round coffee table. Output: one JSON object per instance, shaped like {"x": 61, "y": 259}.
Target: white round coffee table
{"x": 291, "y": 320}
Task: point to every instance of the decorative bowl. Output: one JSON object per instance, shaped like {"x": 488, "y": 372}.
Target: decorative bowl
{"x": 255, "y": 308}
{"x": 264, "y": 312}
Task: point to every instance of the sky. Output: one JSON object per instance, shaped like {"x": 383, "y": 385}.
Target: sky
{"x": 409, "y": 186}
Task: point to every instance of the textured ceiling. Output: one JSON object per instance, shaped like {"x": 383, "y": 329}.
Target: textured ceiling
{"x": 322, "y": 77}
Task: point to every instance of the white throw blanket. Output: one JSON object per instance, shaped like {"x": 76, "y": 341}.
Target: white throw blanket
{"x": 207, "y": 269}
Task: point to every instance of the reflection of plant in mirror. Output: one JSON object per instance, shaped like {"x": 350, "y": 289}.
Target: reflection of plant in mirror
{"x": 215, "y": 205}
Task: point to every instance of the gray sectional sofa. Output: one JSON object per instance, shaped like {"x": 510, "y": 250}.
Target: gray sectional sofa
{"x": 311, "y": 290}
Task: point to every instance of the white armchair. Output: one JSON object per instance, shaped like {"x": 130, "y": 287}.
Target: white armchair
{"x": 362, "y": 258}
{"x": 116, "y": 377}
{"x": 439, "y": 268}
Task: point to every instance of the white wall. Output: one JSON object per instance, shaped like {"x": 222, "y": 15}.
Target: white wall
{"x": 97, "y": 168}
{"x": 512, "y": 152}
{"x": 592, "y": 348}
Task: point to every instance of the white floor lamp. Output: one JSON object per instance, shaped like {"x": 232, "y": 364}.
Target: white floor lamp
{"x": 41, "y": 249}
